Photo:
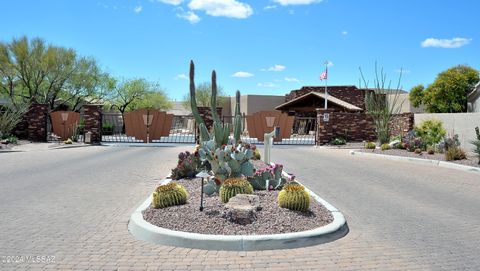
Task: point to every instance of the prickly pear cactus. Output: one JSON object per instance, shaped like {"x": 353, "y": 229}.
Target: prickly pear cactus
{"x": 269, "y": 178}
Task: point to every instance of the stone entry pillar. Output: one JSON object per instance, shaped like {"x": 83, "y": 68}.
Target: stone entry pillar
{"x": 33, "y": 126}
{"x": 92, "y": 117}
{"x": 325, "y": 129}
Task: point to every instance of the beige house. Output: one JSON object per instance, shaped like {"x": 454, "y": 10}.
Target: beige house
{"x": 473, "y": 104}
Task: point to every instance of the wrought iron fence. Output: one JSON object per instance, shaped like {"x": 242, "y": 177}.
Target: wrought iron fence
{"x": 183, "y": 130}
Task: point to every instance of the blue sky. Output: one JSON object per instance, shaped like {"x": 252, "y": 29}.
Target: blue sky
{"x": 258, "y": 47}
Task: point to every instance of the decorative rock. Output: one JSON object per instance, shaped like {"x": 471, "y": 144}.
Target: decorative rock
{"x": 242, "y": 209}
{"x": 394, "y": 143}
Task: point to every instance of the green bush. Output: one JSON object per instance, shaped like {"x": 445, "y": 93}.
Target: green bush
{"x": 338, "y": 141}
{"x": 107, "y": 128}
{"x": 430, "y": 131}
{"x": 370, "y": 146}
{"x": 294, "y": 197}
{"x": 169, "y": 195}
{"x": 10, "y": 116}
{"x": 455, "y": 153}
{"x": 233, "y": 186}
{"x": 385, "y": 147}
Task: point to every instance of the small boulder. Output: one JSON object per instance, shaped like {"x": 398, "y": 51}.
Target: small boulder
{"x": 242, "y": 209}
{"x": 394, "y": 143}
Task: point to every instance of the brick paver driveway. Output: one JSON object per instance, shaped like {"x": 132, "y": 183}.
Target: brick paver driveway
{"x": 74, "y": 204}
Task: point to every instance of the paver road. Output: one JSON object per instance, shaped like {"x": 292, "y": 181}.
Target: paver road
{"x": 74, "y": 204}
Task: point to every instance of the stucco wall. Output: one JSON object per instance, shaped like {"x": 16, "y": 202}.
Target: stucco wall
{"x": 250, "y": 104}
{"x": 462, "y": 124}
{"x": 404, "y": 102}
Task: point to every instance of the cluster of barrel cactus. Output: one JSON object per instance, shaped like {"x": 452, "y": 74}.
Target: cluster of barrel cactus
{"x": 169, "y": 195}
{"x": 233, "y": 186}
{"x": 293, "y": 196}
{"x": 269, "y": 178}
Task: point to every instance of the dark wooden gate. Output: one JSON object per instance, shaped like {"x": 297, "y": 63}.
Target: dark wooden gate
{"x": 65, "y": 123}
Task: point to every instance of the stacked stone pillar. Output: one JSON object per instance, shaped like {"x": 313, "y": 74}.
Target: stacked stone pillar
{"x": 206, "y": 114}
{"x": 33, "y": 126}
{"x": 92, "y": 117}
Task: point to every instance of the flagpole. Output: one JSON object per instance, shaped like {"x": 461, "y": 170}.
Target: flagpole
{"x": 326, "y": 79}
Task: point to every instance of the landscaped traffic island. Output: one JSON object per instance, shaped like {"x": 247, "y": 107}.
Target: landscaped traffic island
{"x": 237, "y": 201}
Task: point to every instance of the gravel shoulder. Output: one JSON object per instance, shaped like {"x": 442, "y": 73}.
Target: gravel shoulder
{"x": 470, "y": 161}
{"x": 270, "y": 220}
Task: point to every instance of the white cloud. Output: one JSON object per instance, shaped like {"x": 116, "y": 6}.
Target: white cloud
{"x": 242, "y": 74}
{"x": 225, "y": 8}
{"x": 402, "y": 71}
{"x": 291, "y": 79}
{"x": 138, "y": 9}
{"x": 188, "y": 15}
{"x": 344, "y": 32}
{"x": 181, "y": 76}
{"x": 296, "y": 2}
{"x": 266, "y": 85}
{"x": 275, "y": 68}
{"x": 171, "y": 2}
{"x": 270, "y": 7}
{"x": 445, "y": 43}
{"x": 329, "y": 64}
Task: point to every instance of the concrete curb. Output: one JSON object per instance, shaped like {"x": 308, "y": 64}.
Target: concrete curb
{"x": 419, "y": 161}
{"x": 145, "y": 231}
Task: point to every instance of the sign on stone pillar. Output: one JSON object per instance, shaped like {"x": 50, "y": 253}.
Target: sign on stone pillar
{"x": 92, "y": 117}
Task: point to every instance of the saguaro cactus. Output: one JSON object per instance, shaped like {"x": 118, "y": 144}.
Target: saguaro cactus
{"x": 237, "y": 123}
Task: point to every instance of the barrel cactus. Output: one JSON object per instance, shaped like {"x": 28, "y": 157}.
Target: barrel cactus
{"x": 293, "y": 196}
{"x": 234, "y": 186}
{"x": 169, "y": 195}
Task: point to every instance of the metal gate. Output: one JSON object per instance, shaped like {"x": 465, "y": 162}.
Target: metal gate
{"x": 147, "y": 125}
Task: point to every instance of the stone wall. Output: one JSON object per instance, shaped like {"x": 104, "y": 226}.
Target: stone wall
{"x": 355, "y": 127}
{"x": 33, "y": 126}
{"x": 400, "y": 124}
{"x": 92, "y": 117}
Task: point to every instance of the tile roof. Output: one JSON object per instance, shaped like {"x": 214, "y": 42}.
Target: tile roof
{"x": 331, "y": 99}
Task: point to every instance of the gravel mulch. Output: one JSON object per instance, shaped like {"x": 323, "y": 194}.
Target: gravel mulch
{"x": 470, "y": 161}
{"x": 270, "y": 220}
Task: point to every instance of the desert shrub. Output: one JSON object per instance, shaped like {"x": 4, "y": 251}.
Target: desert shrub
{"x": 338, "y": 141}
{"x": 397, "y": 137}
{"x": 10, "y": 116}
{"x": 370, "y": 146}
{"x": 294, "y": 197}
{"x": 385, "y": 147}
{"x": 430, "y": 131}
{"x": 169, "y": 195}
{"x": 430, "y": 150}
{"x": 412, "y": 142}
{"x": 418, "y": 151}
{"x": 107, "y": 128}
{"x": 188, "y": 165}
{"x": 68, "y": 141}
{"x": 447, "y": 143}
{"x": 455, "y": 153}
{"x": 233, "y": 186}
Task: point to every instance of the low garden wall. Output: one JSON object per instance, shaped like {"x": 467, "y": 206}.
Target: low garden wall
{"x": 355, "y": 127}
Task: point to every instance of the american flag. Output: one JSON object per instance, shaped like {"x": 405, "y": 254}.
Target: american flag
{"x": 323, "y": 76}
